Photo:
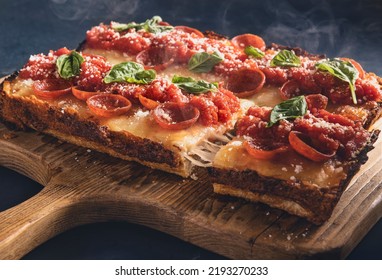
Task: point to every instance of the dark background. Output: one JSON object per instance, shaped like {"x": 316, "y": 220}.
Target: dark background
{"x": 338, "y": 28}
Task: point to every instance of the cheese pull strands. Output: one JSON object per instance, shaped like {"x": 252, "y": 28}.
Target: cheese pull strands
{"x": 202, "y": 155}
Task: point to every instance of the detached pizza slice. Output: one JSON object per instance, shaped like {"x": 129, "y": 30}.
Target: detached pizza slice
{"x": 300, "y": 155}
{"x": 122, "y": 109}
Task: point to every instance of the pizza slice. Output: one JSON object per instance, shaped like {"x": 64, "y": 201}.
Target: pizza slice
{"x": 148, "y": 119}
{"x": 300, "y": 155}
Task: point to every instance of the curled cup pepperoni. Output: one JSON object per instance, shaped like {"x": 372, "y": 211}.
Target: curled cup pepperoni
{"x": 260, "y": 152}
{"x": 108, "y": 105}
{"x": 175, "y": 116}
{"x": 246, "y": 82}
{"x": 154, "y": 58}
{"x": 51, "y": 88}
{"x": 302, "y": 144}
{"x": 147, "y": 102}
{"x": 245, "y": 40}
{"x": 82, "y": 94}
{"x": 289, "y": 89}
{"x": 190, "y": 30}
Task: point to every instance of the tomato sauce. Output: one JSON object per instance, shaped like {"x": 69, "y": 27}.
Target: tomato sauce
{"x": 326, "y": 132}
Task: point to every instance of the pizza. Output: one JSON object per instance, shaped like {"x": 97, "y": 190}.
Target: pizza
{"x": 270, "y": 124}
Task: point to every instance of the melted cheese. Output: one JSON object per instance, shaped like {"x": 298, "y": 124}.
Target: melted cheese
{"x": 115, "y": 57}
{"x": 142, "y": 125}
{"x": 289, "y": 167}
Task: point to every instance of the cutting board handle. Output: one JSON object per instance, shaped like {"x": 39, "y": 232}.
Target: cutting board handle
{"x": 29, "y": 224}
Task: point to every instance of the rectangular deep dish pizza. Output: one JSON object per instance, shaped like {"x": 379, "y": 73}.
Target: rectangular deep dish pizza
{"x": 271, "y": 124}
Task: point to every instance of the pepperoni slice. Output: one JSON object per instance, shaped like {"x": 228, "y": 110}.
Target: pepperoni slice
{"x": 108, "y": 105}
{"x": 244, "y": 40}
{"x": 246, "y": 82}
{"x": 175, "y": 116}
{"x": 356, "y": 65}
{"x": 147, "y": 102}
{"x": 152, "y": 59}
{"x": 289, "y": 89}
{"x": 190, "y": 30}
{"x": 82, "y": 94}
{"x": 301, "y": 143}
{"x": 259, "y": 152}
{"x": 51, "y": 88}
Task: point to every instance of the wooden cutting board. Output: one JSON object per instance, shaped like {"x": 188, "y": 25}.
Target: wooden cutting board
{"x": 82, "y": 186}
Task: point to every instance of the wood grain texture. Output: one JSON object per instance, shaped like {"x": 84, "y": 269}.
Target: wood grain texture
{"x": 83, "y": 186}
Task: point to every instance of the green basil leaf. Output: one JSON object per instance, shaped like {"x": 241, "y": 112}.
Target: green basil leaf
{"x": 204, "y": 62}
{"x": 285, "y": 58}
{"x": 130, "y": 72}
{"x": 69, "y": 65}
{"x": 255, "y": 52}
{"x": 151, "y": 25}
{"x": 289, "y": 109}
{"x": 124, "y": 26}
{"x": 342, "y": 70}
{"x": 144, "y": 77}
{"x": 190, "y": 85}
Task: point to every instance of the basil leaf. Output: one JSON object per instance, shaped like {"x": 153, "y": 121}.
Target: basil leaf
{"x": 124, "y": 26}
{"x": 289, "y": 109}
{"x": 69, "y": 65}
{"x": 255, "y": 52}
{"x": 204, "y": 62}
{"x": 150, "y": 25}
{"x": 190, "y": 85}
{"x": 130, "y": 72}
{"x": 343, "y": 70}
{"x": 285, "y": 58}
{"x": 144, "y": 77}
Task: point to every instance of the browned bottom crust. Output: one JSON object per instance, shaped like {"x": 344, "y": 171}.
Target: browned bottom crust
{"x": 25, "y": 112}
{"x": 295, "y": 197}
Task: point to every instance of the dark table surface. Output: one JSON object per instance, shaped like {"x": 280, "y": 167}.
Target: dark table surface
{"x": 344, "y": 28}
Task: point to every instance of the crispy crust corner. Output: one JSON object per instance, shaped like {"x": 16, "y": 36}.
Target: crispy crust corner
{"x": 21, "y": 113}
{"x": 297, "y": 198}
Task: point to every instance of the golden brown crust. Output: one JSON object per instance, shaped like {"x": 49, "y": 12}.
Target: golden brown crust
{"x": 272, "y": 200}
